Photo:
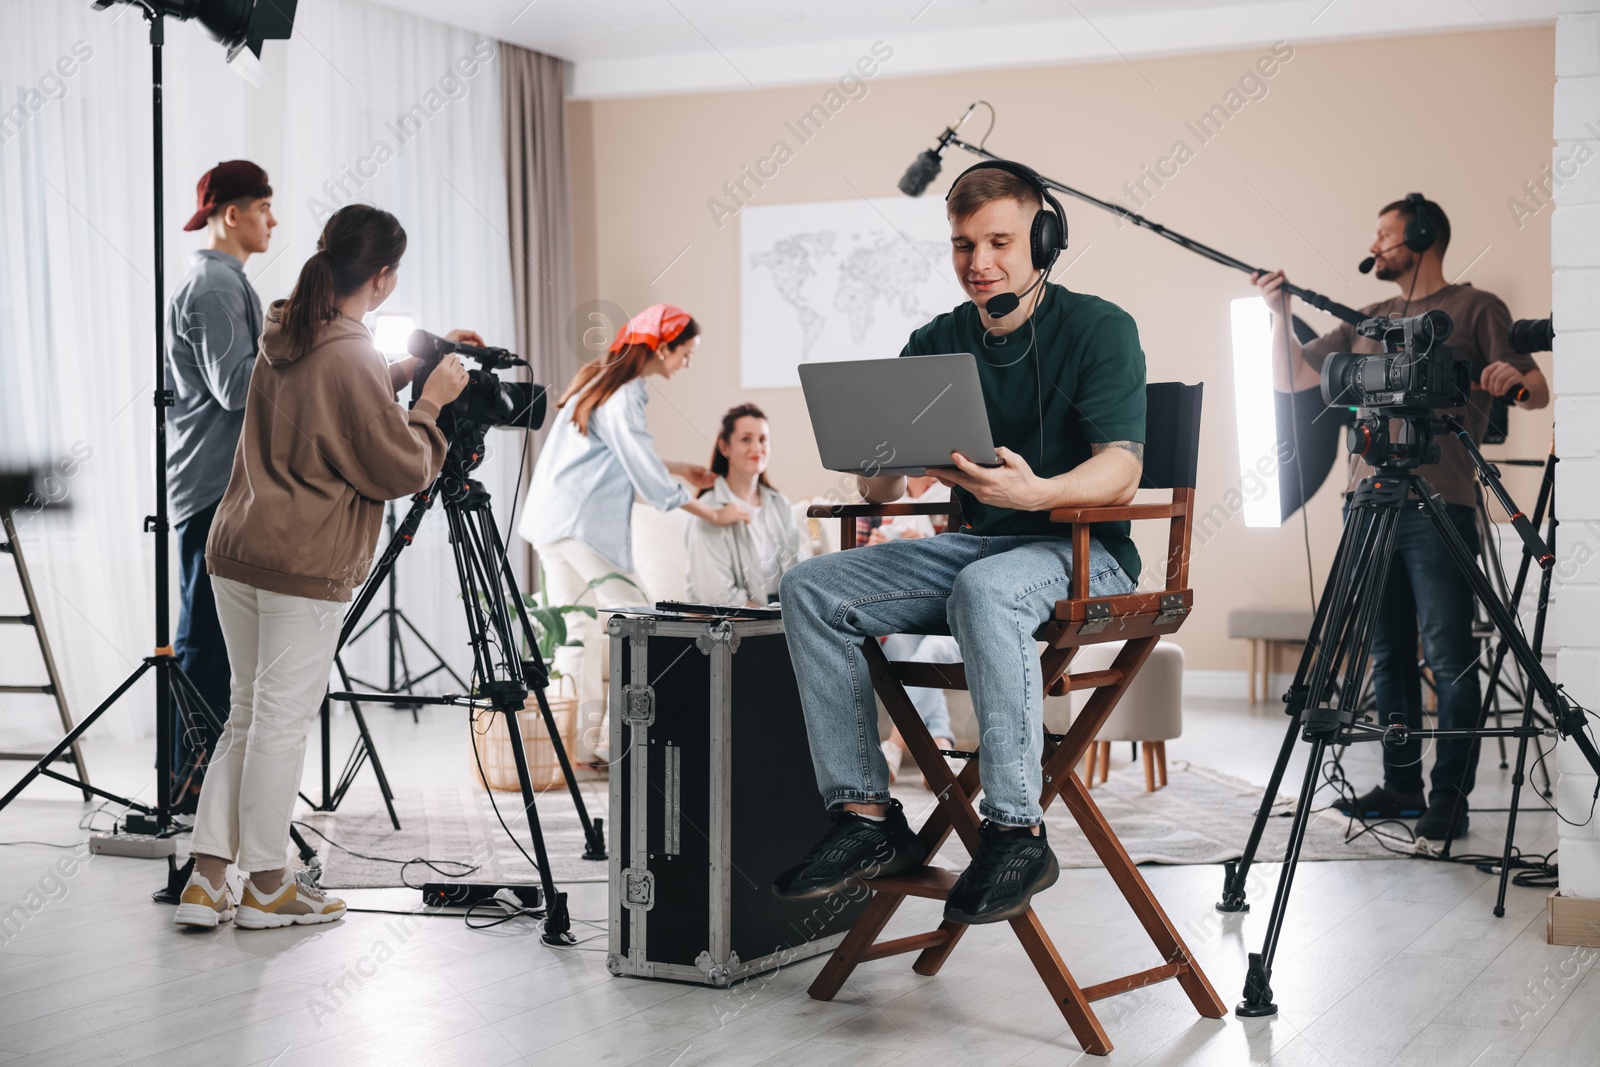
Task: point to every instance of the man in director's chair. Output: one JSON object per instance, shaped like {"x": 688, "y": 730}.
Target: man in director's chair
{"x": 1063, "y": 380}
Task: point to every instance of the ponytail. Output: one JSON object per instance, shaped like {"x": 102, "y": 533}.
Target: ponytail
{"x": 358, "y": 242}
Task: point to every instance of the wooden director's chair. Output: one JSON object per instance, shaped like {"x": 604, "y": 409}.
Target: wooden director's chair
{"x": 1139, "y": 618}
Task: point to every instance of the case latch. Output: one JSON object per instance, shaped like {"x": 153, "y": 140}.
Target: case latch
{"x": 638, "y": 889}
{"x": 638, "y": 705}
{"x": 723, "y": 633}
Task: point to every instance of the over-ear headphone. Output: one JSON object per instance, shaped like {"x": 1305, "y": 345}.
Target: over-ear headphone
{"x": 1048, "y": 234}
{"x": 1422, "y": 229}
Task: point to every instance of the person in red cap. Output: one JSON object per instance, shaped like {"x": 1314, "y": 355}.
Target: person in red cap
{"x": 214, "y": 320}
{"x": 600, "y": 453}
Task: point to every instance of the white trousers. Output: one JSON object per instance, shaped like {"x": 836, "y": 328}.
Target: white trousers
{"x": 280, "y": 649}
{"x": 569, "y": 567}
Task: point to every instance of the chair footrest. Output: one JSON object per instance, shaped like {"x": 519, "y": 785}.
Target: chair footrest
{"x": 934, "y": 883}
{"x": 900, "y": 945}
{"x": 1130, "y": 982}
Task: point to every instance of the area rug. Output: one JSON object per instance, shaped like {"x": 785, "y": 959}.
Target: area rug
{"x": 1200, "y": 816}
{"x": 456, "y": 828}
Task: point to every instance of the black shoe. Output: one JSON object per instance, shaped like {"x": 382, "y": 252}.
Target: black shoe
{"x": 1435, "y": 822}
{"x": 1380, "y": 802}
{"x": 1010, "y": 867}
{"x": 855, "y": 848}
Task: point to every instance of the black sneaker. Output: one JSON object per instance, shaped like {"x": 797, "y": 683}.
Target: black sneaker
{"x": 1435, "y": 822}
{"x": 1380, "y": 802}
{"x": 1010, "y": 867}
{"x": 855, "y": 848}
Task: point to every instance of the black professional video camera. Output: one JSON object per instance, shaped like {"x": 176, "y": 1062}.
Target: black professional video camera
{"x": 1531, "y": 335}
{"x": 1415, "y": 371}
{"x": 487, "y": 400}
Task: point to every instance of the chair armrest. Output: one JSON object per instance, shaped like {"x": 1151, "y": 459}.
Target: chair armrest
{"x": 855, "y": 511}
{"x": 1122, "y": 513}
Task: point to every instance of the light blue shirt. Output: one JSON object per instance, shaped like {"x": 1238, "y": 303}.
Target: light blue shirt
{"x": 583, "y": 485}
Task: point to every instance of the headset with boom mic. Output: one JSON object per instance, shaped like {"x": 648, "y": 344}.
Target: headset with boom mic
{"x": 1421, "y": 232}
{"x": 1047, "y": 235}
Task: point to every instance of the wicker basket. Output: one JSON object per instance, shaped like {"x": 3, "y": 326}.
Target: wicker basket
{"x": 493, "y": 747}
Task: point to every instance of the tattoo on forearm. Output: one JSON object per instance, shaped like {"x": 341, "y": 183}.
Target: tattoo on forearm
{"x": 1134, "y": 448}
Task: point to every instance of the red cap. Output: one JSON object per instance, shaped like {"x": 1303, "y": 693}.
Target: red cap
{"x": 224, "y": 182}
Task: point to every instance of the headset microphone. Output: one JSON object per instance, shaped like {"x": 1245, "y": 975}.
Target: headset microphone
{"x": 1002, "y": 304}
{"x": 1372, "y": 261}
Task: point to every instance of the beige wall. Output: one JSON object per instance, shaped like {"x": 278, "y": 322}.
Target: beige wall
{"x": 1293, "y": 180}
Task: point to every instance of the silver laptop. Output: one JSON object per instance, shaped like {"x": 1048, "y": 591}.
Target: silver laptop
{"x": 876, "y": 417}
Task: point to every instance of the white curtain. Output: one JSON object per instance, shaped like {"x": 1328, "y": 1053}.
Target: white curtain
{"x": 365, "y": 103}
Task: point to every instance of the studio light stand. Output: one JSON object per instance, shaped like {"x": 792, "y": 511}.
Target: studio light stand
{"x": 401, "y": 682}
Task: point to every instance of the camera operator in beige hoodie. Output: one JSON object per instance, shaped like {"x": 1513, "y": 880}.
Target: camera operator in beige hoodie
{"x": 324, "y": 444}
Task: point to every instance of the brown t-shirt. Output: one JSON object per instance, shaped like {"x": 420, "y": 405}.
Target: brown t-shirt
{"x": 1481, "y": 320}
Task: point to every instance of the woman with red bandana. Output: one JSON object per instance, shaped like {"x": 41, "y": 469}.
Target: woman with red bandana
{"x": 599, "y": 455}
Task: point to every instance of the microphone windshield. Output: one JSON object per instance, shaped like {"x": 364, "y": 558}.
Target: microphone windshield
{"x": 1367, "y": 264}
{"x": 1002, "y": 304}
{"x": 922, "y": 171}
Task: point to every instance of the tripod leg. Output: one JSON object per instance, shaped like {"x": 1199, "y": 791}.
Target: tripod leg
{"x": 1236, "y": 873}
{"x": 1326, "y": 626}
{"x": 593, "y": 829}
{"x": 43, "y": 766}
{"x": 1258, "y": 978}
{"x": 372, "y": 752}
{"x": 557, "y": 923}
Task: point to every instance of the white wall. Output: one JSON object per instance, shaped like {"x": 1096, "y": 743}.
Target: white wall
{"x": 1575, "y": 256}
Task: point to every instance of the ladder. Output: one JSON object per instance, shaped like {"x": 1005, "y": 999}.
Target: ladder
{"x": 52, "y": 688}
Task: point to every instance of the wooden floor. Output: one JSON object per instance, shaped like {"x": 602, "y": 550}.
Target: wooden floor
{"x": 1382, "y": 962}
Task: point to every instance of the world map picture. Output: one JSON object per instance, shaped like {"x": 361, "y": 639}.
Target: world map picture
{"x": 846, "y": 279}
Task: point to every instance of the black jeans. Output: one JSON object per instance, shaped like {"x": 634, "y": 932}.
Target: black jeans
{"x": 1426, "y": 592}
{"x": 198, "y": 642}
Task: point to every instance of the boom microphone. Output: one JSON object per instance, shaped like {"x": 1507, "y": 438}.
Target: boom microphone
{"x": 926, "y": 166}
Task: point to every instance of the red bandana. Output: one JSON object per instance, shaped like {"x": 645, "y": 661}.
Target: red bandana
{"x": 653, "y": 325}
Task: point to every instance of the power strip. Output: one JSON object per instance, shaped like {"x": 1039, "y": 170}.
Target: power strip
{"x": 139, "y": 846}
{"x": 466, "y": 894}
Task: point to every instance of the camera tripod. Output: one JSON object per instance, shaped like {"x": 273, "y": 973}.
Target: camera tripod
{"x": 1335, "y": 656}
{"x": 502, "y": 679}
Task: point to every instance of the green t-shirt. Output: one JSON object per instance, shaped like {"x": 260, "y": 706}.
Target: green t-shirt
{"x": 1071, "y": 377}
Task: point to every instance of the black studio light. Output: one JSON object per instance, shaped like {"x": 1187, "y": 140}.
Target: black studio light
{"x": 238, "y": 25}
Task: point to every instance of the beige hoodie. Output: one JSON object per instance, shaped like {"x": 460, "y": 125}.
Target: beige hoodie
{"x": 324, "y": 445}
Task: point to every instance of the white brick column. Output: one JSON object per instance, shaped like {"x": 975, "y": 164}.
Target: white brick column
{"x": 1575, "y": 257}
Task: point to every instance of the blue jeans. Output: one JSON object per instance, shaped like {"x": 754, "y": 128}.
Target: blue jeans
{"x": 990, "y": 593}
{"x": 1427, "y": 592}
{"x": 198, "y": 643}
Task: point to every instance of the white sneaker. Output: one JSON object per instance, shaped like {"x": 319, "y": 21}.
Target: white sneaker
{"x": 297, "y": 901}
{"x": 203, "y": 905}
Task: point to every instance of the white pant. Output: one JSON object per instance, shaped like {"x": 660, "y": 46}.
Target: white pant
{"x": 569, "y": 567}
{"x": 280, "y": 649}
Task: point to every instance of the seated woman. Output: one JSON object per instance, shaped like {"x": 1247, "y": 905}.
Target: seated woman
{"x": 740, "y": 564}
